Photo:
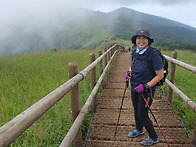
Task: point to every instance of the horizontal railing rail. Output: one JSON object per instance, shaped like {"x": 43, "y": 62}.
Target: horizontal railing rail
{"x": 15, "y": 127}
{"x": 172, "y": 87}
{"x": 182, "y": 64}
{"x": 186, "y": 66}
{"x": 78, "y": 122}
{"x": 191, "y": 104}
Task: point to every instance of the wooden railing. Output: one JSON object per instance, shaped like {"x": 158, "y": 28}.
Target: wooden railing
{"x": 172, "y": 87}
{"x": 77, "y": 123}
{"x": 15, "y": 127}
{"x": 191, "y": 68}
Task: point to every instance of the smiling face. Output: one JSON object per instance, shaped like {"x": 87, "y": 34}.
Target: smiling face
{"x": 142, "y": 42}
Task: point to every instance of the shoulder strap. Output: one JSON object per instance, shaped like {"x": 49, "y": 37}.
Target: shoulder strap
{"x": 133, "y": 54}
{"x": 149, "y": 59}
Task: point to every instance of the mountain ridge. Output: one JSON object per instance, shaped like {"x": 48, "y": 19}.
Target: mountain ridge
{"x": 169, "y": 21}
{"x": 170, "y": 30}
{"x": 80, "y": 28}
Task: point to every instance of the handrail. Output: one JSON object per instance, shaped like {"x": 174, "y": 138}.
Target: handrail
{"x": 15, "y": 127}
{"x": 172, "y": 87}
{"x": 191, "y": 104}
{"x": 92, "y": 65}
{"x": 191, "y": 68}
{"x": 182, "y": 64}
{"x": 78, "y": 121}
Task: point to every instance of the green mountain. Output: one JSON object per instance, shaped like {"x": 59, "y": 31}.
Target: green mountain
{"x": 79, "y": 28}
{"x": 162, "y": 29}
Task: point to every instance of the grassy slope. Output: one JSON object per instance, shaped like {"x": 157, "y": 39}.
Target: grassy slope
{"x": 27, "y": 78}
{"x": 185, "y": 81}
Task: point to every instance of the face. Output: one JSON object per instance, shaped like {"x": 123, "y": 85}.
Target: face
{"x": 142, "y": 42}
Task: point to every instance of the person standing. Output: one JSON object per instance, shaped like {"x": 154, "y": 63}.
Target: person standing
{"x": 128, "y": 48}
{"x": 143, "y": 81}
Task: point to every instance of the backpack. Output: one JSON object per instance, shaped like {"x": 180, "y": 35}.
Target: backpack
{"x": 150, "y": 66}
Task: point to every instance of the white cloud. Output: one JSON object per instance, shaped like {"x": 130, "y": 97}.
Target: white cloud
{"x": 179, "y": 10}
{"x": 29, "y": 14}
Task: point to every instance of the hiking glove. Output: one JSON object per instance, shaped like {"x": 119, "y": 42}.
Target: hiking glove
{"x": 127, "y": 75}
{"x": 141, "y": 88}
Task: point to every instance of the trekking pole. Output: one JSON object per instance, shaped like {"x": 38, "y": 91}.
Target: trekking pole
{"x": 127, "y": 83}
{"x": 155, "y": 120}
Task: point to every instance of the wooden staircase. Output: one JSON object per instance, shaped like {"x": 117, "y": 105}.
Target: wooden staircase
{"x": 101, "y": 131}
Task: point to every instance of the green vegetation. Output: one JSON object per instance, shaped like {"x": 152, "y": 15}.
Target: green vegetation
{"x": 27, "y": 78}
{"x": 185, "y": 81}
{"x": 173, "y": 45}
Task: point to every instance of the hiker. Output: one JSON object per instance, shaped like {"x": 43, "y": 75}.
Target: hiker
{"x": 128, "y": 48}
{"x": 143, "y": 81}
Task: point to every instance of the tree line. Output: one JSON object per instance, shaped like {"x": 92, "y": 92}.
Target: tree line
{"x": 173, "y": 45}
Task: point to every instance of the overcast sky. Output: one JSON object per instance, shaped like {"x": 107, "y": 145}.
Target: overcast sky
{"x": 19, "y": 10}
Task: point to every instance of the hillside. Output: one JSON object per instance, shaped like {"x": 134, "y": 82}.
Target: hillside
{"x": 25, "y": 79}
{"x": 79, "y": 28}
{"x": 162, "y": 29}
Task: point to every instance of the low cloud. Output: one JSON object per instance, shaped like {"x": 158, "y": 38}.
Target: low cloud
{"x": 20, "y": 20}
{"x": 27, "y": 16}
{"x": 94, "y": 3}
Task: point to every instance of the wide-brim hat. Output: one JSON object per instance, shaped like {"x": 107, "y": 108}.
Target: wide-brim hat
{"x": 142, "y": 32}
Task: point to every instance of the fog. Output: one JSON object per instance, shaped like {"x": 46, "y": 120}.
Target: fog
{"x": 31, "y": 25}
{"x": 36, "y": 20}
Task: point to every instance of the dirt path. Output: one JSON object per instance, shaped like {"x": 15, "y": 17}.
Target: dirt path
{"x": 103, "y": 127}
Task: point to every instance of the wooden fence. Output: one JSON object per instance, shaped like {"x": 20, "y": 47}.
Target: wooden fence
{"x": 74, "y": 132}
{"x": 14, "y": 128}
{"x": 172, "y": 87}
{"x": 169, "y": 82}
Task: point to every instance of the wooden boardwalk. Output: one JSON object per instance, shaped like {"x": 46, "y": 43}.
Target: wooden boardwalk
{"x": 101, "y": 131}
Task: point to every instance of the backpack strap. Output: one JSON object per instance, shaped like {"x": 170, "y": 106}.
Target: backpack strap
{"x": 149, "y": 59}
{"x": 133, "y": 54}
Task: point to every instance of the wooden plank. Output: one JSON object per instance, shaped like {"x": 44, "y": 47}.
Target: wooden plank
{"x": 104, "y": 121}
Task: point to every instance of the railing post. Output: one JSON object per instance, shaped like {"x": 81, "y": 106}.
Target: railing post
{"x": 108, "y": 55}
{"x": 112, "y": 51}
{"x": 171, "y": 77}
{"x": 115, "y": 48}
{"x": 100, "y": 63}
{"x": 75, "y": 102}
{"x": 106, "y": 62}
{"x": 194, "y": 134}
{"x": 93, "y": 80}
{"x": 101, "y": 68}
{"x": 119, "y": 47}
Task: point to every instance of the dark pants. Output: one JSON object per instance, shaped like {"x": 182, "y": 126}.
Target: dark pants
{"x": 141, "y": 112}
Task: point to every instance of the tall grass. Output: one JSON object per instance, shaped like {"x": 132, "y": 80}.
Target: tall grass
{"x": 186, "y": 82}
{"x": 25, "y": 79}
